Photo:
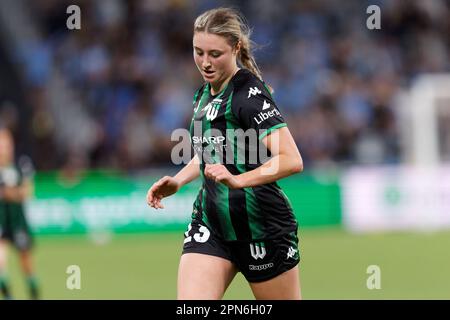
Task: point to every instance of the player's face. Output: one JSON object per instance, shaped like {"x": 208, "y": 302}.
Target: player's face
{"x": 214, "y": 57}
{"x": 6, "y": 148}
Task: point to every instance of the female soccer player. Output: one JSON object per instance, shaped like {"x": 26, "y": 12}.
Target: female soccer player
{"x": 15, "y": 188}
{"x": 241, "y": 219}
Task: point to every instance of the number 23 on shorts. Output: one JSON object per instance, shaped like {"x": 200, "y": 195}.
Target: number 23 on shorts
{"x": 201, "y": 236}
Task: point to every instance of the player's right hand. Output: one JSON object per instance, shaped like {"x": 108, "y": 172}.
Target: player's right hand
{"x": 162, "y": 188}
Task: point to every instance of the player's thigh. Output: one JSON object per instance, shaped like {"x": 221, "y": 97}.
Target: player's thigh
{"x": 285, "y": 286}
{"x": 202, "y": 276}
{"x": 206, "y": 265}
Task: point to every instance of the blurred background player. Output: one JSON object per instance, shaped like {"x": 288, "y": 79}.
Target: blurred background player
{"x": 15, "y": 188}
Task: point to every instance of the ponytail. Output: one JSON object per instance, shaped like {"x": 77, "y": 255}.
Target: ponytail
{"x": 246, "y": 58}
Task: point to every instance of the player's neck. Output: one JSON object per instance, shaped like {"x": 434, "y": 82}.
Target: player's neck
{"x": 216, "y": 89}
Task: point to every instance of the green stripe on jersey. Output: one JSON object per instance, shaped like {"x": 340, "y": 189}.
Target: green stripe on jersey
{"x": 222, "y": 195}
{"x": 223, "y": 210}
{"x": 221, "y": 190}
{"x": 252, "y": 206}
{"x": 275, "y": 127}
{"x": 203, "y": 98}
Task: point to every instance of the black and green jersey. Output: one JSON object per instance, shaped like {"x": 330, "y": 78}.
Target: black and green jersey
{"x": 227, "y": 128}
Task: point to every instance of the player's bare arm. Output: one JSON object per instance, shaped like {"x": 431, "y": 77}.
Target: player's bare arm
{"x": 18, "y": 193}
{"x": 167, "y": 185}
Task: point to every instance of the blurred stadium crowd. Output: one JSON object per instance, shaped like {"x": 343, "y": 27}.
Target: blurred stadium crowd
{"x": 129, "y": 76}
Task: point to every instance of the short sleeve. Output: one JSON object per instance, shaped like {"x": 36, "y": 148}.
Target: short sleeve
{"x": 254, "y": 107}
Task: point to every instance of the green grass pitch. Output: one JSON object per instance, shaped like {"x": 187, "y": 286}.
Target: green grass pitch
{"x": 334, "y": 266}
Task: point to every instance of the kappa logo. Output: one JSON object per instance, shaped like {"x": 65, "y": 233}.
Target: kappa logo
{"x": 253, "y": 92}
{"x": 291, "y": 253}
{"x": 257, "y": 250}
{"x": 212, "y": 109}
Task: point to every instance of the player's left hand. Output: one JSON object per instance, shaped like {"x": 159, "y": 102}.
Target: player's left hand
{"x": 219, "y": 173}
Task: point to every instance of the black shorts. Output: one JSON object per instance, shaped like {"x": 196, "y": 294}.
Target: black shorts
{"x": 257, "y": 260}
{"x": 15, "y": 229}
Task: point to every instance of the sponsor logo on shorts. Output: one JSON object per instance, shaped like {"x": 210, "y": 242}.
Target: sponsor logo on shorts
{"x": 260, "y": 267}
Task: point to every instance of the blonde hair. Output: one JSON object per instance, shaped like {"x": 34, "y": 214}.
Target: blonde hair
{"x": 231, "y": 25}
